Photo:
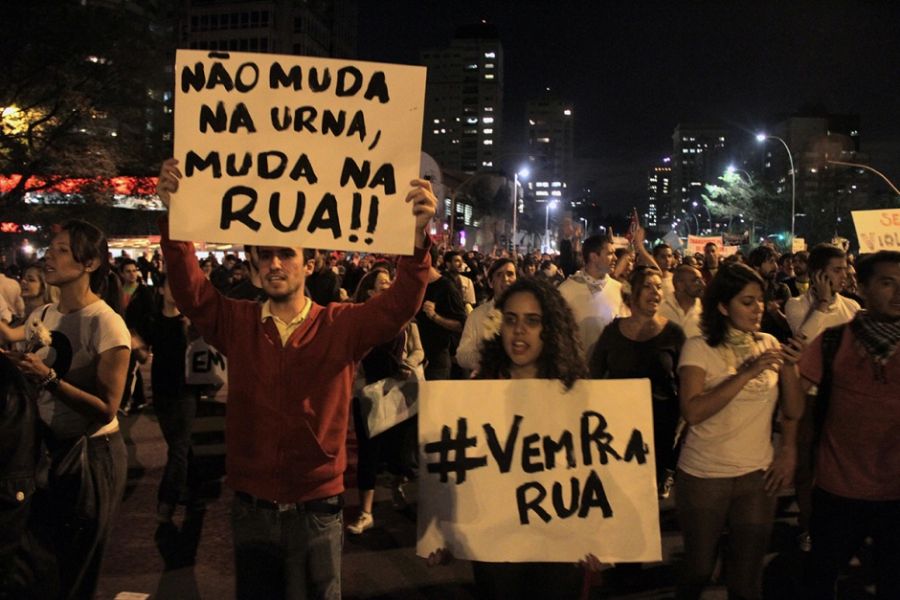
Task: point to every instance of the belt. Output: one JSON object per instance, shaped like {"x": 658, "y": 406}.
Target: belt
{"x": 331, "y": 505}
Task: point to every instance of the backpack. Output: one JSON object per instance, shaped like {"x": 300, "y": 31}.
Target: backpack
{"x": 831, "y": 341}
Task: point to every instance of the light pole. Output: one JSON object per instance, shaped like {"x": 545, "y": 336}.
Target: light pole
{"x": 547, "y": 208}
{"x": 708, "y": 214}
{"x": 867, "y": 168}
{"x": 523, "y": 172}
{"x": 762, "y": 137}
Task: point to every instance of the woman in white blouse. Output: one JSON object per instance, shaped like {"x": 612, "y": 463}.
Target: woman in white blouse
{"x": 728, "y": 470}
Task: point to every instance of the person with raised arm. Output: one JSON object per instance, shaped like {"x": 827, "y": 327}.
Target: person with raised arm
{"x": 289, "y": 389}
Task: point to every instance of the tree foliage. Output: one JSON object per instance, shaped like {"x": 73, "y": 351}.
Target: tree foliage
{"x": 739, "y": 197}
{"x": 81, "y": 91}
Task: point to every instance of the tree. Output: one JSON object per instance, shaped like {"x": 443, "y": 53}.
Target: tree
{"x": 78, "y": 92}
{"x": 747, "y": 204}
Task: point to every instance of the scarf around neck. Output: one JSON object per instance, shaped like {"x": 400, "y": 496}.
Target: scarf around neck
{"x": 595, "y": 286}
{"x": 879, "y": 338}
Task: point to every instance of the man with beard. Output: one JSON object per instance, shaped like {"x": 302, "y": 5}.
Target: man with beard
{"x": 289, "y": 399}
{"x": 764, "y": 260}
{"x": 501, "y": 275}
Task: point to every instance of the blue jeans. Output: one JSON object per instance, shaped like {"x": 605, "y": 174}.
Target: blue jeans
{"x": 293, "y": 554}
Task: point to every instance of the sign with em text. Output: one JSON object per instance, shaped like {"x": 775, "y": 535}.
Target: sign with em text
{"x": 523, "y": 470}
{"x": 296, "y": 151}
{"x": 877, "y": 229}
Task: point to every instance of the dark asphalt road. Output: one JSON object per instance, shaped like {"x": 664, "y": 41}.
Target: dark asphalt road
{"x": 193, "y": 559}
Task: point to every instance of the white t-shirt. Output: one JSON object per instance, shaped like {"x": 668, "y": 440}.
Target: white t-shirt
{"x": 593, "y": 309}
{"x": 78, "y": 338}
{"x": 738, "y": 439}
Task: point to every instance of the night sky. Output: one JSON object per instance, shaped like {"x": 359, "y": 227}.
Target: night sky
{"x": 634, "y": 69}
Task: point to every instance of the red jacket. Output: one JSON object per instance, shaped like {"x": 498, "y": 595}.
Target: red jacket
{"x": 286, "y": 424}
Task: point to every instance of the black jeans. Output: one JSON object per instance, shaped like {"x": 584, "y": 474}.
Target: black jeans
{"x": 176, "y": 413}
{"x": 75, "y": 542}
{"x": 838, "y": 527}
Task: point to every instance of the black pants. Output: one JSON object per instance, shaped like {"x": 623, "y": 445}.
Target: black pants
{"x": 75, "y": 542}
{"x": 176, "y": 413}
{"x": 509, "y": 581}
{"x": 393, "y": 447}
{"x": 838, "y": 527}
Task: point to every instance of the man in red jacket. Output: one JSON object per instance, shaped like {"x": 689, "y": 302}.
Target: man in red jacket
{"x": 291, "y": 367}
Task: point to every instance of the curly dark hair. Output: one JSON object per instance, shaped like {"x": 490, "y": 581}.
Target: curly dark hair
{"x": 561, "y": 356}
{"x": 728, "y": 282}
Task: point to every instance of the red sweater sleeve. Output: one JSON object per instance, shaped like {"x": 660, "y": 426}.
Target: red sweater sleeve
{"x": 383, "y": 317}
{"x": 194, "y": 295}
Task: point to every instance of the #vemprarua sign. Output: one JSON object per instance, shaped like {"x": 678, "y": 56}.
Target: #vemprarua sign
{"x": 296, "y": 151}
{"x": 523, "y": 470}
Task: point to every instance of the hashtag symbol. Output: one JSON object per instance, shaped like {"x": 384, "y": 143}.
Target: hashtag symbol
{"x": 457, "y": 445}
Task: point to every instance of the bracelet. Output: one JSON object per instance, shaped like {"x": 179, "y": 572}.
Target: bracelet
{"x": 51, "y": 381}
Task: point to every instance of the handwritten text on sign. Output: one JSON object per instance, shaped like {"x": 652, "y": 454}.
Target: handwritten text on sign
{"x": 521, "y": 470}
{"x": 291, "y": 151}
{"x": 877, "y": 229}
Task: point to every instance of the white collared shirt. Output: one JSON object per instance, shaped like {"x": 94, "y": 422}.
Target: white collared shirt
{"x": 688, "y": 321}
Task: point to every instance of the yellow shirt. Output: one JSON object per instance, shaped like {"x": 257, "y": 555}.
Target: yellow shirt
{"x": 286, "y": 329}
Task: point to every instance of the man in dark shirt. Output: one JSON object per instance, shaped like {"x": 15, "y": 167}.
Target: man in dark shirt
{"x": 442, "y": 317}
{"x": 764, "y": 260}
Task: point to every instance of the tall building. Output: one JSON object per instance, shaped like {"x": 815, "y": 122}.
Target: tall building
{"x": 550, "y": 148}
{"x": 309, "y": 28}
{"x": 659, "y": 188}
{"x": 464, "y": 100}
{"x": 825, "y": 192}
{"x": 700, "y": 156}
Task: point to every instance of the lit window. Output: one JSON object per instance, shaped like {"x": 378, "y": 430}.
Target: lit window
{"x": 436, "y": 121}
{"x": 487, "y": 163}
{"x": 543, "y": 140}
{"x": 490, "y": 55}
{"x": 436, "y": 131}
{"x": 487, "y": 131}
{"x": 531, "y": 121}
{"x": 556, "y": 193}
{"x": 541, "y": 193}
{"x": 473, "y": 120}
{"x": 488, "y": 142}
{"x": 488, "y": 75}
{"x": 488, "y": 65}
{"x": 443, "y": 130}
{"x": 556, "y": 184}
{"x": 568, "y": 112}
{"x": 813, "y": 170}
{"x": 471, "y": 67}
{"x": 488, "y": 109}
{"x": 486, "y": 120}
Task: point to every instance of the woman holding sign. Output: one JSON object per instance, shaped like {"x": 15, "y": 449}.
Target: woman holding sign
{"x": 728, "y": 472}
{"x": 532, "y": 336}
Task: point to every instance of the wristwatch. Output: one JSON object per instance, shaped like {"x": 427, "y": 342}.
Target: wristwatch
{"x": 51, "y": 381}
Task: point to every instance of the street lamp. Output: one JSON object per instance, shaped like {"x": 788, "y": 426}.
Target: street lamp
{"x": 865, "y": 167}
{"x": 523, "y": 173}
{"x": 708, "y": 214}
{"x": 547, "y": 208}
{"x": 762, "y": 137}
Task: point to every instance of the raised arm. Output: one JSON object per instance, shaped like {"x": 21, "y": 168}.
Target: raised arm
{"x": 194, "y": 295}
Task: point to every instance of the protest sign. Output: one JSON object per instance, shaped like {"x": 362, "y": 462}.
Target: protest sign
{"x": 798, "y": 244}
{"x": 296, "y": 151}
{"x": 523, "y": 470}
{"x": 696, "y": 243}
{"x": 877, "y": 229}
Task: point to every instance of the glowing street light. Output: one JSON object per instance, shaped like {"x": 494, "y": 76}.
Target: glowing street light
{"x": 523, "y": 173}
{"x": 547, "y": 208}
{"x": 762, "y": 137}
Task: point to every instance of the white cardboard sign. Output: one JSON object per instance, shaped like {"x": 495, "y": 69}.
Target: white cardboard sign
{"x": 522, "y": 470}
{"x": 877, "y": 229}
{"x": 296, "y": 150}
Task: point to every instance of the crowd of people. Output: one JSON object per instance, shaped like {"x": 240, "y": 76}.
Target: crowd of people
{"x": 740, "y": 354}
